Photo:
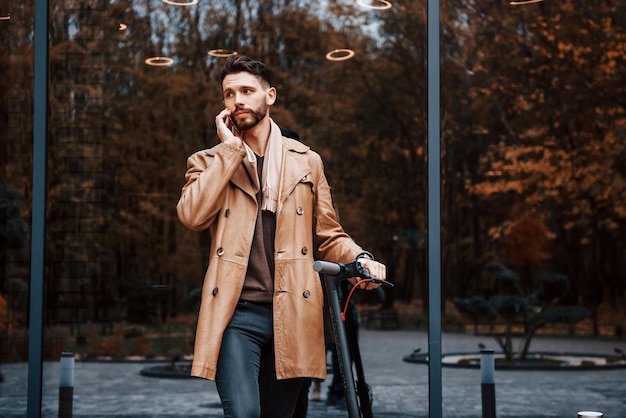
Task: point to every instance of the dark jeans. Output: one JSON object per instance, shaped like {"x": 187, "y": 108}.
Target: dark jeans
{"x": 302, "y": 406}
{"x": 246, "y": 377}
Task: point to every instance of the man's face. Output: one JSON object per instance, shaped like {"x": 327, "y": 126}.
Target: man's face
{"x": 248, "y": 99}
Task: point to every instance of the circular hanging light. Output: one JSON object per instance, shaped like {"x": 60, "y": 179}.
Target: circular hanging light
{"x": 222, "y": 53}
{"x": 159, "y": 61}
{"x": 375, "y": 4}
{"x": 341, "y": 54}
{"x": 523, "y": 2}
{"x": 181, "y": 2}
{"x": 5, "y": 17}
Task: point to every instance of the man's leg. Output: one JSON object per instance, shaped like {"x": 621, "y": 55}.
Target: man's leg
{"x": 302, "y": 405}
{"x": 278, "y": 397}
{"x": 239, "y": 361}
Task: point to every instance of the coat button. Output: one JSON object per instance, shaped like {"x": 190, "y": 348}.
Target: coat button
{"x": 300, "y": 210}
{"x": 215, "y": 291}
{"x": 220, "y": 251}
{"x": 227, "y": 213}
{"x": 306, "y": 294}
{"x": 304, "y": 250}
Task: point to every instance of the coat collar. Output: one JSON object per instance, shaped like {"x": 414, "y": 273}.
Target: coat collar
{"x": 294, "y": 145}
{"x": 294, "y": 169}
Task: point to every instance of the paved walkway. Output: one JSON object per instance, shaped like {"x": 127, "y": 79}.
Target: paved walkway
{"x": 400, "y": 389}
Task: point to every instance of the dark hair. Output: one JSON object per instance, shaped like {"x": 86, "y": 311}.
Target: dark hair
{"x": 241, "y": 63}
{"x": 290, "y": 133}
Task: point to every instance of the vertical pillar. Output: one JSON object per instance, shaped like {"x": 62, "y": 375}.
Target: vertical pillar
{"x": 38, "y": 223}
{"x": 435, "y": 401}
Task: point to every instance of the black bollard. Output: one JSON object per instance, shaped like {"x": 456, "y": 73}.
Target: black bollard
{"x": 488, "y": 383}
{"x": 66, "y": 385}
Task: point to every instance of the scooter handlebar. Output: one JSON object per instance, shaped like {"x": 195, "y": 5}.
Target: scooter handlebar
{"x": 345, "y": 271}
{"x": 326, "y": 267}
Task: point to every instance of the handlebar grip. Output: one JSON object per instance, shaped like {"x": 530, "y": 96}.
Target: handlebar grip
{"x": 326, "y": 267}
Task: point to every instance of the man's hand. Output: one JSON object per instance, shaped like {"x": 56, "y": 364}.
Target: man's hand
{"x": 374, "y": 268}
{"x": 226, "y": 129}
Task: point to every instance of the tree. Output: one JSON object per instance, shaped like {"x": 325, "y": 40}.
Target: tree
{"x": 547, "y": 105}
{"x": 532, "y": 123}
{"x": 529, "y": 311}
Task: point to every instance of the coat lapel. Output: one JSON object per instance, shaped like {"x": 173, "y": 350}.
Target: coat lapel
{"x": 294, "y": 170}
{"x": 243, "y": 176}
{"x": 242, "y": 180}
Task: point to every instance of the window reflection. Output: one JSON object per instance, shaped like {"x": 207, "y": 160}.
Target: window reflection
{"x": 532, "y": 131}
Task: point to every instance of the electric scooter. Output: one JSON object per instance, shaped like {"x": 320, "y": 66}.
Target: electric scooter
{"x": 358, "y": 393}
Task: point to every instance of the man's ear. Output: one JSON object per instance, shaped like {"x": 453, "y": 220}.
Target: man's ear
{"x": 270, "y": 96}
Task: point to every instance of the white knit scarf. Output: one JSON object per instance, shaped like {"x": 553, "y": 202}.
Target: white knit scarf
{"x": 270, "y": 177}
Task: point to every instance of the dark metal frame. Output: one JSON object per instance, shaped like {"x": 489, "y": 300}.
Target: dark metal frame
{"x": 35, "y": 354}
{"x": 357, "y": 392}
{"x": 38, "y": 230}
{"x": 435, "y": 401}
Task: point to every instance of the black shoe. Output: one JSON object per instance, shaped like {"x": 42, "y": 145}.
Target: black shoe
{"x": 331, "y": 399}
{"x": 341, "y": 403}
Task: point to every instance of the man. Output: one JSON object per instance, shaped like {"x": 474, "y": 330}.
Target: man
{"x": 267, "y": 204}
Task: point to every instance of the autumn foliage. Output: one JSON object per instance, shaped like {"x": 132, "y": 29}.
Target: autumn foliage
{"x": 533, "y": 137}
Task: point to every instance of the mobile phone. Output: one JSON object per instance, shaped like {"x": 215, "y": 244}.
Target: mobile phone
{"x": 231, "y": 124}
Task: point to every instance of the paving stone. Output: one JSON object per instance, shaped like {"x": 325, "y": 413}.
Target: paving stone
{"x": 400, "y": 389}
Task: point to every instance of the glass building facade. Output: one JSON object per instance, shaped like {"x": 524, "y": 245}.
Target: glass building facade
{"x": 498, "y": 164}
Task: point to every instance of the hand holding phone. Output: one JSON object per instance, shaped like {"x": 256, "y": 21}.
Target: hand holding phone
{"x": 227, "y": 130}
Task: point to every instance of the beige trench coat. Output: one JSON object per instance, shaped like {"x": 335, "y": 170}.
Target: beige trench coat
{"x": 219, "y": 195}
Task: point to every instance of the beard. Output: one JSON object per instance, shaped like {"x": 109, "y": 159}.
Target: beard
{"x": 250, "y": 119}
